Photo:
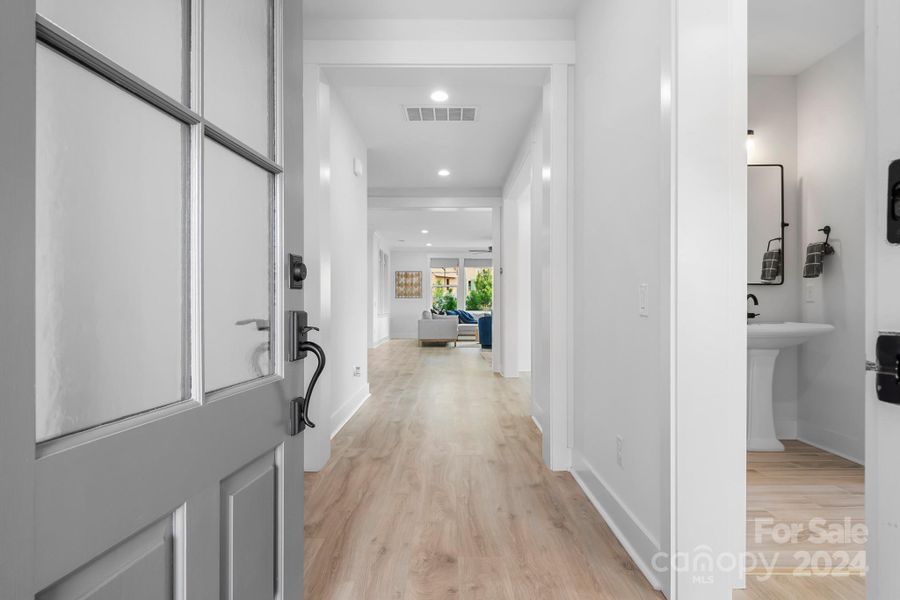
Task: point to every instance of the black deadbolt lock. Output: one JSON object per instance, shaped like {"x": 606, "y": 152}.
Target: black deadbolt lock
{"x": 893, "y": 203}
{"x": 297, "y": 272}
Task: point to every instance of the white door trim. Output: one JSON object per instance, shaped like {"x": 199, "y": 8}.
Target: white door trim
{"x": 439, "y": 52}
{"x": 708, "y": 59}
{"x": 558, "y": 57}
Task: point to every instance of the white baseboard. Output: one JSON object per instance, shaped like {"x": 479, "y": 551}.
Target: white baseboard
{"x": 785, "y": 420}
{"x": 830, "y": 441}
{"x": 537, "y": 413}
{"x": 633, "y": 536}
{"x": 377, "y": 343}
{"x": 349, "y": 408}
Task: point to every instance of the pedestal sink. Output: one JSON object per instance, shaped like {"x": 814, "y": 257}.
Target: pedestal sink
{"x": 764, "y": 343}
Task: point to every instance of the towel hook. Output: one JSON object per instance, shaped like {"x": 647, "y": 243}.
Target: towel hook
{"x": 829, "y": 249}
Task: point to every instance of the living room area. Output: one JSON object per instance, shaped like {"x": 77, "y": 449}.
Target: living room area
{"x": 433, "y": 275}
{"x": 448, "y": 320}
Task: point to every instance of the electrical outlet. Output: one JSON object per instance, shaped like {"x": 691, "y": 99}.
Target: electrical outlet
{"x": 620, "y": 445}
{"x": 644, "y": 300}
{"x": 809, "y": 293}
{"x": 357, "y": 371}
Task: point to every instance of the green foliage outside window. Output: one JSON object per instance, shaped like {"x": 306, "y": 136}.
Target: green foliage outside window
{"x": 482, "y": 296}
{"x": 444, "y": 299}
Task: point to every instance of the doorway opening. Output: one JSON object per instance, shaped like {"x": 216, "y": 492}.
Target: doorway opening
{"x": 806, "y": 298}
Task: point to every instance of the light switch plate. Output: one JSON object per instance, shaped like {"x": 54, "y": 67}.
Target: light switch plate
{"x": 644, "y": 300}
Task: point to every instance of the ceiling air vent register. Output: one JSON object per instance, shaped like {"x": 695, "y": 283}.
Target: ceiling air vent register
{"x": 441, "y": 114}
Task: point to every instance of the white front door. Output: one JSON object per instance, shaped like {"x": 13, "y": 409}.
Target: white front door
{"x": 151, "y": 194}
{"x": 882, "y": 296}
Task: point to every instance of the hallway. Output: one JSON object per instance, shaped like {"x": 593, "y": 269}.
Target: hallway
{"x": 436, "y": 489}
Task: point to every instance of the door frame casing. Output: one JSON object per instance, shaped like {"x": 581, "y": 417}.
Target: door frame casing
{"x": 558, "y": 57}
{"x": 704, "y": 79}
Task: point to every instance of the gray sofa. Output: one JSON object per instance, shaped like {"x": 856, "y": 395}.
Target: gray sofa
{"x": 438, "y": 328}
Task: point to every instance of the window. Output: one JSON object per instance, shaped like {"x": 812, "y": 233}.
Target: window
{"x": 479, "y": 284}
{"x": 444, "y": 284}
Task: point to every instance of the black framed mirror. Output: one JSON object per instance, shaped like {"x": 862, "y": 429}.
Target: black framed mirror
{"x": 765, "y": 225}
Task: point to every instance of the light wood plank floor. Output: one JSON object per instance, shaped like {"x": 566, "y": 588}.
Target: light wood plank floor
{"x": 793, "y": 488}
{"x": 436, "y": 489}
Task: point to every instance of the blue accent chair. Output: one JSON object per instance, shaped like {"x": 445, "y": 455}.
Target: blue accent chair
{"x": 485, "y": 329}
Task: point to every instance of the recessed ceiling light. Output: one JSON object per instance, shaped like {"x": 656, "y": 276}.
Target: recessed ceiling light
{"x": 439, "y": 96}
{"x": 444, "y": 173}
{"x": 429, "y": 245}
{"x": 424, "y": 231}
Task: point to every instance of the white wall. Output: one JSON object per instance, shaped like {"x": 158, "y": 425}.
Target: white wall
{"x": 524, "y": 292}
{"x": 709, "y": 275}
{"x": 620, "y": 389}
{"x": 515, "y": 306}
{"x": 379, "y": 324}
{"x": 317, "y": 255}
{"x": 335, "y": 250}
{"x": 772, "y": 114}
{"x": 405, "y": 312}
{"x": 349, "y": 282}
{"x": 831, "y": 104}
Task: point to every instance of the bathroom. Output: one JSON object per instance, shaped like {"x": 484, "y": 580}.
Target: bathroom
{"x": 806, "y": 221}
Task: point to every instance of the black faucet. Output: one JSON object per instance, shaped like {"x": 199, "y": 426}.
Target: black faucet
{"x": 752, "y": 315}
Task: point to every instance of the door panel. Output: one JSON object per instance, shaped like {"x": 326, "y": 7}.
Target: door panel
{"x": 248, "y": 533}
{"x": 882, "y": 290}
{"x": 141, "y": 568}
{"x": 124, "y": 491}
{"x": 158, "y": 258}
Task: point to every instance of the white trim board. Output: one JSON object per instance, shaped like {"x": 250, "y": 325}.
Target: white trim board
{"x": 631, "y": 533}
{"x": 380, "y": 342}
{"x": 349, "y": 408}
{"x": 438, "y": 52}
{"x": 832, "y": 441}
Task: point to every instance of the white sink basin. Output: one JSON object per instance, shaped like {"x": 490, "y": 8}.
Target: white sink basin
{"x": 764, "y": 343}
{"x": 774, "y": 336}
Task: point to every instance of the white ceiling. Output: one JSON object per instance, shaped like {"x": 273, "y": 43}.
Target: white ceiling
{"x": 437, "y": 9}
{"x": 459, "y": 229}
{"x": 405, "y": 155}
{"x": 786, "y": 37}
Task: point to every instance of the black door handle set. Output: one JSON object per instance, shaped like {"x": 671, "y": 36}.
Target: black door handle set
{"x": 299, "y": 348}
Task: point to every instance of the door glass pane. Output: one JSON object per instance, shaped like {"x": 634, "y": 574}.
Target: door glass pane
{"x": 237, "y": 69}
{"x": 111, "y": 269}
{"x": 149, "y": 39}
{"x": 237, "y": 268}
